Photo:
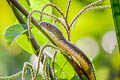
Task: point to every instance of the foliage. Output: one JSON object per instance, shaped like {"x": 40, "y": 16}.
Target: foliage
{"x": 61, "y": 64}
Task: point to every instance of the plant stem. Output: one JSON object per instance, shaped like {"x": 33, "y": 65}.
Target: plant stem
{"x": 115, "y": 6}
{"x": 68, "y": 6}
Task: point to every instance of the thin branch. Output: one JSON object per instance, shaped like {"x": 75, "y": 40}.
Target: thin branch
{"x": 19, "y": 16}
{"x": 67, "y": 10}
{"x": 99, "y": 7}
{"x": 84, "y": 9}
{"x": 54, "y": 6}
{"x": 68, "y": 6}
{"x": 25, "y": 12}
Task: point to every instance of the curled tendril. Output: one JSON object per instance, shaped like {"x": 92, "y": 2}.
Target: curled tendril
{"x": 54, "y": 6}
{"x": 28, "y": 65}
{"x": 45, "y": 75}
{"x": 40, "y": 55}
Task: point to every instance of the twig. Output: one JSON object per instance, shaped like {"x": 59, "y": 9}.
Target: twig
{"x": 54, "y": 6}
{"x": 68, "y": 6}
{"x": 27, "y": 65}
{"x": 67, "y": 10}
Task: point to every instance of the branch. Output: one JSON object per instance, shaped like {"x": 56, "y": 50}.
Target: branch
{"x": 68, "y": 8}
{"x": 54, "y": 6}
{"x": 33, "y": 40}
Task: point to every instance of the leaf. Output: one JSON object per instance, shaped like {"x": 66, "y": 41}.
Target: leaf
{"x": 25, "y": 43}
{"x": 23, "y": 40}
{"x": 13, "y": 32}
{"x": 115, "y": 4}
{"x": 63, "y": 68}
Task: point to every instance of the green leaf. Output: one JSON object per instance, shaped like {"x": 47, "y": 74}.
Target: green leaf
{"x": 63, "y": 68}
{"x": 23, "y": 40}
{"x": 115, "y": 4}
{"x": 25, "y": 43}
{"x": 13, "y": 32}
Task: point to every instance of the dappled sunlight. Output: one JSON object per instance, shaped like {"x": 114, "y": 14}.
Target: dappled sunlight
{"x": 89, "y": 46}
{"x": 109, "y": 41}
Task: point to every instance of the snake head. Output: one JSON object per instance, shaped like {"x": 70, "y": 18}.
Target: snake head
{"x": 51, "y": 30}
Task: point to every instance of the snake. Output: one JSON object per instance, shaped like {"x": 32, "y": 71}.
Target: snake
{"x": 59, "y": 40}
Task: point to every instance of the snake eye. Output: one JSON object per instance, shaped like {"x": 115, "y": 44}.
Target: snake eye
{"x": 47, "y": 24}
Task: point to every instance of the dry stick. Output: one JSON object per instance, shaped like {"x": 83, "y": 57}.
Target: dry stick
{"x": 84, "y": 9}
{"x": 54, "y": 6}
{"x": 11, "y": 77}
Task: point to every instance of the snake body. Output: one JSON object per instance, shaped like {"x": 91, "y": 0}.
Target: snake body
{"x": 59, "y": 40}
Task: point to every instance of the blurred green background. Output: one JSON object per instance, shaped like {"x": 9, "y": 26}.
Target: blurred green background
{"x": 93, "y": 33}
